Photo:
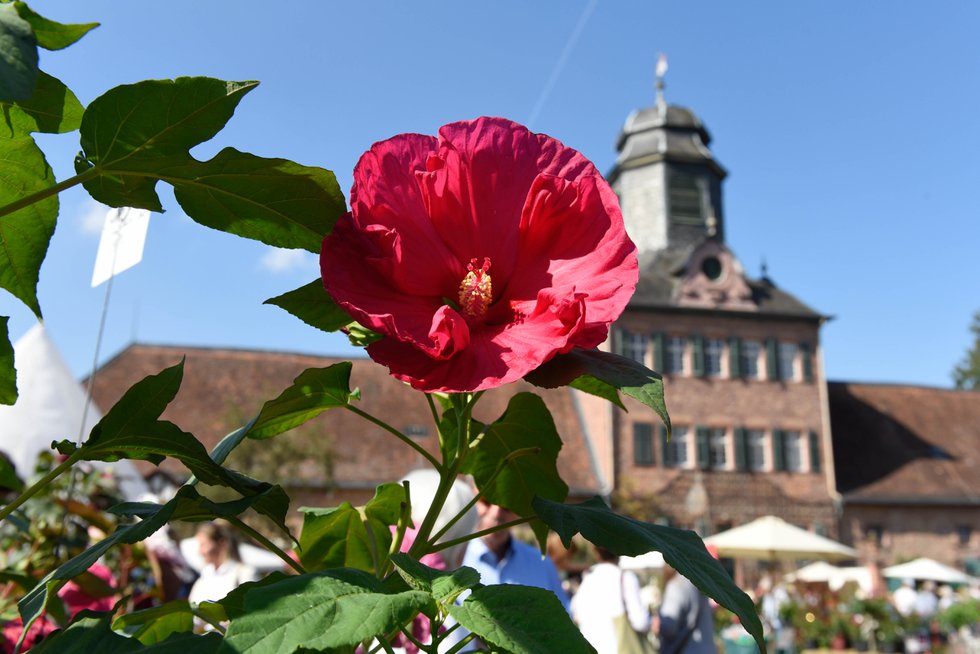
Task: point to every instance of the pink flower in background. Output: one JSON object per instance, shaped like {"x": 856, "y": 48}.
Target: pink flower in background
{"x": 478, "y": 255}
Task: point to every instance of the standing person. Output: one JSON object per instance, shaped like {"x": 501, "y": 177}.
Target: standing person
{"x": 502, "y": 559}
{"x": 223, "y": 569}
{"x": 607, "y": 596}
{"x": 687, "y": 624}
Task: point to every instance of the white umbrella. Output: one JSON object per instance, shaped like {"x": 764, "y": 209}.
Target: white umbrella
{"x": 833, "y": 576}
{"x": 770, "y": 538}
{"x": 928, "y": 569}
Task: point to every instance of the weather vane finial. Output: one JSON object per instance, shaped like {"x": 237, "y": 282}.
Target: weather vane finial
{"x": 661, "y": 71}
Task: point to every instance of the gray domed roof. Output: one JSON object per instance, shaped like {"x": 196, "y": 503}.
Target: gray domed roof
{"x": 664, "y": 132}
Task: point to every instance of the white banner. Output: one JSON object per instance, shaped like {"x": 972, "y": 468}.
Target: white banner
{"x": 121, "y": 245}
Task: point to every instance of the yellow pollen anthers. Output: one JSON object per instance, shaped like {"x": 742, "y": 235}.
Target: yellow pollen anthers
{"x": 476, "y": 291}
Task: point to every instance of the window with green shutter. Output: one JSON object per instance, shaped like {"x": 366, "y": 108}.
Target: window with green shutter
{"x": 697, "y": 348}
{"x": 814, "y": 452}
{"x": 772, "y": 360}
{"x": 806, "y": 354}
{"x": 658, "y": 351}
{"x": 778, "y": 460}
{"x": 643, "y": 444}
{"x": 735, "y": 357}
{"x": 702, "y": 448}
{"x": 740, "y": 449}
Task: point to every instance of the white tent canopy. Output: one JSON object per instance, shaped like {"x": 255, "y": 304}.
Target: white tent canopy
{"x": 648, "y": 561}
{"x": 770, "y": 538}
{"x": 833, "y": 576}
{"x": 928, "y": 569}
{"x": 50, "y": 407}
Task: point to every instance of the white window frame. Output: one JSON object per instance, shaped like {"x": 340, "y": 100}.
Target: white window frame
{"x": 680, "y": 446}
{"x": 635, "y": 344}
{"x": 786, "y": 356}
{"x": 755, "y": 442}
{"x": 714, "y": 351}
{"x": 748, "y": 362}
{"x": 717, "y": 448}
{"x": 793, "y": 451}
{"x": 675, "y": 348}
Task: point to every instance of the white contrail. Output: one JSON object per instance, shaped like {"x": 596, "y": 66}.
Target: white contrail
{"x": 562, "y": 60}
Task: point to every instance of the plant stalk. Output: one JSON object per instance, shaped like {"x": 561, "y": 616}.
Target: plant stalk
{"x": 44, "y": 194}
{"x": 268, "y": 544}
{"x": 40, "y": 484}
{"x": 402, "y": 437}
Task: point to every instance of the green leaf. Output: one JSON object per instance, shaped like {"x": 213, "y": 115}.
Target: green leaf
{"x": 8, "y": 394}
{"x": 88, "y": 632}
{"x": 18, "y": 55}
{"x": 25, "y": 233}
{"x": 52, "y": 108}
{"x": 525, "y": 442}
{"x": 683, "y": 550}
{"x": 158, "y": 623}
{"x": 348, "y": 537}
{"x": 444, "y": 585}
{"x": 604, "y": 375}
{"x": 312, "y": 305}
{"x": 314, "y": 391}
{"x": 138, "y": 134}
{"x": 51, "y": 35}
{"x": 132, "y": 430}
{"x": 520, "y": 620}
{"x": 331, "y": 609}
{"x": 232, "y": 605}
{"x": 185, "y": 643}
{"x": 275, "y": 201}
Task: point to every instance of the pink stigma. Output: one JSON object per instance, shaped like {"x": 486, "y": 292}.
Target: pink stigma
{"x": 476, "y": 290}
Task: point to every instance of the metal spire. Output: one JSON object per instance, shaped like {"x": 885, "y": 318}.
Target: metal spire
{"x": 661, "y": 71}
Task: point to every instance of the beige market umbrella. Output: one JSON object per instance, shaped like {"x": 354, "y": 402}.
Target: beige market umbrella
{"x": 773, "y": 539}
{"x": 927, "y": 569}
{"x": 823, "y": 572}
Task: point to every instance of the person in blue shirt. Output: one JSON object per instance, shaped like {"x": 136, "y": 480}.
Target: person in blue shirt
{"x": 502, "y": 559}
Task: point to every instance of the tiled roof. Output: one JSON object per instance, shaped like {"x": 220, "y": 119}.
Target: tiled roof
{"x": 224, "y": 387}
{"x": 905, "y": 444}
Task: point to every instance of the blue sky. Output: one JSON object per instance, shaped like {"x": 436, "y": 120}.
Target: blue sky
{"x": 849, "y": 131}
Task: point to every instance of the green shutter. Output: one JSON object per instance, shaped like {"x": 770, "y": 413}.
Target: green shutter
{"x": 734, "y": 357}
{"x": 701, "y": 445}
{"x": 741, "y": 456}
{"x": 642, "y": 443}
{"x": 778, "y": 460}
{"x": 665, "y": 451}
{"x": 618, "y": 341}
{"x": 807, "y": 357}
{"x": 814, "y": 452}
{"x": 697, "y": 345}
{"x": 658, "y": 351}
{"x": 772, "y": 359}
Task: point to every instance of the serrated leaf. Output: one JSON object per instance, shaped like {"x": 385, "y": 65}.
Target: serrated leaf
{"x": 682, "y": 549}
{"x": 88, "y": 632}
{"x": 51, "y": 35}
{"x": 232, "y": 605}
{"x": 444, "y": 585}
{"x": 274, "y": 201}
{"x": 520, "y": 620}
{"x": 314, "y": 391}
{"x": 52, "y": 109}
{"x": 604, "y": 375}
{"x": 526, "y": 424}
{"x": 132, "y": 429}
{"x": 18, "y": 55}
{"x": 332, "y": 609}
{"x": 311, "y": 304}
{"x": 8, "y": 393}
{"x": 347, "y": 537}
{"x": 24, "y": 234}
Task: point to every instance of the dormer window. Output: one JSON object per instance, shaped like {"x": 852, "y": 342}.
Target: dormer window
{"x": 686, "y": 199}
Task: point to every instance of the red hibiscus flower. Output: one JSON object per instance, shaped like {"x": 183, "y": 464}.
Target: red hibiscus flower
{"x": 478, "y": 255}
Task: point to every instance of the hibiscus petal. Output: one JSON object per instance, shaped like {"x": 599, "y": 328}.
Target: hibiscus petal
{"x": 572, "y": 231}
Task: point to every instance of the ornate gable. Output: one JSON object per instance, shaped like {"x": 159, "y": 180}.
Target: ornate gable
{"x": 713, "y": 279}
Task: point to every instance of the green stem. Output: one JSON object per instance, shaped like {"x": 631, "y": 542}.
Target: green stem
{"x": 432, "y": 409}
{"x": 480, "y": 534}
{"x": 44, "y": 194}
{"x": 40, "y": 484}
{"x": 206, "y": 618}
{"x": 461, "y": 644}
{"x": 268, "y": 544}
{"x": 402, "y": 437}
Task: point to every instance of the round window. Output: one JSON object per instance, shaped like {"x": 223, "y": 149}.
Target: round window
{"x": 711, "y": 267}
